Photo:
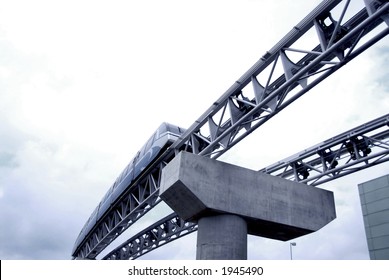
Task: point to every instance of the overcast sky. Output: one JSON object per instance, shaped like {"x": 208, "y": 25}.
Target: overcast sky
{"x": 83, "y": 84}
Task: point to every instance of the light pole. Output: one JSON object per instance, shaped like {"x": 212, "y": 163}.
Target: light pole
{"x": 290, "y": 246}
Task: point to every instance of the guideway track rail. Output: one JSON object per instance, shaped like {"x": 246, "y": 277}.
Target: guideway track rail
{"x": 248, "y": 104}
{"x": 351, "y": 151}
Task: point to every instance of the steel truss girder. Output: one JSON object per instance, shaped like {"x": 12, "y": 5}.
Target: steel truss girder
{"x": 242, "y": 109}
{"x": 156, "y": 235}
{"x": 349, "y": 152}
{"x": 141, "y": 197}
{"x": 346, "y": 149}
{"x": 235, "y": 115}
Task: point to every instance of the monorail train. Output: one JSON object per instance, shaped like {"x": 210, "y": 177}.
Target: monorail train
{"x": 162, "y": 138}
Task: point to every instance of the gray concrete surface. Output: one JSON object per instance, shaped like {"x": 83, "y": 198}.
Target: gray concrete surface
{"x": 222, "y": 237}
{"x": 228, "y": 202}
{"x": 196, "y": 186}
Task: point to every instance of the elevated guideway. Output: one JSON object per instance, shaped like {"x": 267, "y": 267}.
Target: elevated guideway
{"x": 275, "y": 81}
{"x": 351, "y": 151}
{"x": 269, "y": 86}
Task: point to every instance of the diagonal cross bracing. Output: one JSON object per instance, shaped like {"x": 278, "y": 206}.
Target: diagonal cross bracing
{"x": 324, "y": 162}
{"x": 248, "y": 104}
{"x": 268, "y": 87}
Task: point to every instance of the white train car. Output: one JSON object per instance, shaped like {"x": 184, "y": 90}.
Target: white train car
{"x": 162, "y": 138}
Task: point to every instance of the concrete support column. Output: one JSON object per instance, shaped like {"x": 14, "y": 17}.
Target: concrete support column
{"x": 228, "y": 202}
{"x": 222, "y": 237}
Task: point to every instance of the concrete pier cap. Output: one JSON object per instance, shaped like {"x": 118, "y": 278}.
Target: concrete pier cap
{"x": 196, "y": 187}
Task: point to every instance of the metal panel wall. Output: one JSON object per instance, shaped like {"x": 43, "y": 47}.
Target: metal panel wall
{"x": 374, "y": 197}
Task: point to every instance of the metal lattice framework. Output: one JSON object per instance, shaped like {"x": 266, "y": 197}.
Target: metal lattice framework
{"x": 248, "y": 104}
{"x": 280, "y": 77}
{"x": 349, "y": 152}
{"x": 162, "y": 232}
{"x": 133, "y": 204}
{"x": 359, "y": 148}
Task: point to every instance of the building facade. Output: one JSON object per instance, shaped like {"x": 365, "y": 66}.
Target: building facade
{"x": 374, "y": 197}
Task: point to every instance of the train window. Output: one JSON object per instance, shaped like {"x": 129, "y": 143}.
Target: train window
{"x": 150, "y": 143}
{"x": 161, "y": 130}
{"x": 135, "y": 159}
{"x": 175, "y": 130}
{"x": 124, "y": 173}
{"x": 94, "y": 212}
{"x": 119, "y": 178}
{"x": 143, "y": 151}
{"x": 108, "y": 193}
{"x": 157, "y": 133}
{"x": 115, "y": 184}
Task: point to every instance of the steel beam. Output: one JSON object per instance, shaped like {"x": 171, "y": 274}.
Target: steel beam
{"x": 330, "y": 159}
{"x": 248, "y": 104}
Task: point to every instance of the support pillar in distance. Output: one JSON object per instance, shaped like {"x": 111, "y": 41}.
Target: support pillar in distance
{"x": 228, "y": 202}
